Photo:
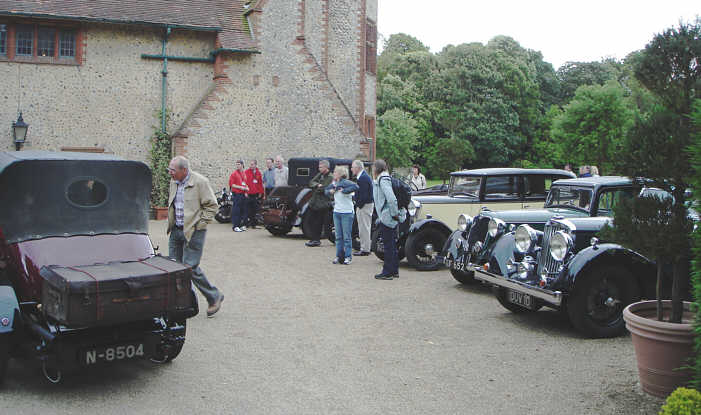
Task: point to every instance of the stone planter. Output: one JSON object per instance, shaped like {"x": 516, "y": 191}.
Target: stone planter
{"x": 160, "y": 213}
{"x": 661, "y": 347}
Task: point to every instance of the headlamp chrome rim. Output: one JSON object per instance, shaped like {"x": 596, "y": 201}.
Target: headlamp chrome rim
{"x": 525, "y": 238}
{"x": 495, "y": 227}
{"x": 414, "y": 206}
{"x": 464, "y": 222}
{"x": 560, "y": 245}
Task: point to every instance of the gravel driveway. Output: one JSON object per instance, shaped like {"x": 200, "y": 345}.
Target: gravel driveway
{"x": 298, "y": 335}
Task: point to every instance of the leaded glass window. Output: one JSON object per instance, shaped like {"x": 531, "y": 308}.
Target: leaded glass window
{"x": 47, "y": 41}
{"x": 25, "y": 40}
{"x": 66, "y": 44}
{"x": 3, "y": 39}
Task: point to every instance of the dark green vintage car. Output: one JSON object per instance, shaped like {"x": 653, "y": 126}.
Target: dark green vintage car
{"x": 471, "y": 245}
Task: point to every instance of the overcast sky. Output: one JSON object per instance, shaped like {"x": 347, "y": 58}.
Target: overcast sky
{"x": 562, "y": 30}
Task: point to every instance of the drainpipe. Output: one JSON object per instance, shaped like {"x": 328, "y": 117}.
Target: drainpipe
{"x": 164, "y": 82}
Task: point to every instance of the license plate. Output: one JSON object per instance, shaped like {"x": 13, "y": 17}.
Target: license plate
{"x": 112, "y": 353}
{"x": 524, "y": 300}
{"x": 458, "y": 264}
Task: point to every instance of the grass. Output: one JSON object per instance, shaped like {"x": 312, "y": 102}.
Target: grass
{"x": 433, "y": 182}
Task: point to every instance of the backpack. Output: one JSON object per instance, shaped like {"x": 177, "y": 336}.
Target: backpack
{"x": 402, "y": 192}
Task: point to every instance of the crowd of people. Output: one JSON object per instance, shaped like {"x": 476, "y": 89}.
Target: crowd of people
{"x": 192, "y": 206}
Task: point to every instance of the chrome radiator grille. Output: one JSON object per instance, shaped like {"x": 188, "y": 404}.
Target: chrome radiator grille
{"x": 546, "y": 262}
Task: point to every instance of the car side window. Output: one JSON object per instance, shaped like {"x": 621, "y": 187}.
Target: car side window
{"x": 608, "y": 199}
{"x": 536, "y": 187}
{"x": 501, "y": 188}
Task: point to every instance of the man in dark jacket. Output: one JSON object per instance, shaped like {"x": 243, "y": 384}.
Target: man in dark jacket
{"x": 319, "y": 205}
{"x": 364, "y": 207}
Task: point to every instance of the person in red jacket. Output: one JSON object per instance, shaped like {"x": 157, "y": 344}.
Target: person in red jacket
{"x": 254, "y": 179}
{"x": 237, "y": 184}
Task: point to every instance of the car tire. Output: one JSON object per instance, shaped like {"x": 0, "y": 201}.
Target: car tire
{"x": 163, "y": 355}
{"x": 500, "y": 294}
{"x": 415, "y": 253}
{"x": 463, "y": 277}
{"x": 278, "y": 230}
{"x": 380, "y": 254}
{"x": 586, "y": 305}
{"x": 223, "y": 215}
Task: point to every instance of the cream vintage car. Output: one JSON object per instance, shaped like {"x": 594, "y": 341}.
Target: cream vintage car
{"x": 432, "y": 218}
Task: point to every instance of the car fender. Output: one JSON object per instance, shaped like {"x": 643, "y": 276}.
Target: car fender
{"x": 9, "y": 309}
{"x": 453, "y": 245}
{"x": 502, "y": 251}
{"x": 643, "y": 270}
{"x": 416, "y": 227}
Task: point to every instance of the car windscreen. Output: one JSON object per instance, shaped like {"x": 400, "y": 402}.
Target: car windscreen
{"x": 570, "y": 197}
{"x": 465, "y": 185}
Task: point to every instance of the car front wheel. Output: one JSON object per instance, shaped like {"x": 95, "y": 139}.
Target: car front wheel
{"x": 4, "y": 360}
{"x": 596, "y": 304}
{"x": 463, "y": 277}
{"x": 422, "y": 249}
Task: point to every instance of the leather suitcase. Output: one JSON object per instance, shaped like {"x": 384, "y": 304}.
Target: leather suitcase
{"x": 117, "y": 292}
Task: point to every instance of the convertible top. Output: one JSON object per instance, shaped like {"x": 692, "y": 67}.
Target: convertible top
{"x": 47, "y": 194}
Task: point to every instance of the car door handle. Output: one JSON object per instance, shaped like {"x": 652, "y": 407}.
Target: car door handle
{"x": 526, "y": 206}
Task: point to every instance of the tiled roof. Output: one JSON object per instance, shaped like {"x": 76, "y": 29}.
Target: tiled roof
{"x": 223, "y": 16}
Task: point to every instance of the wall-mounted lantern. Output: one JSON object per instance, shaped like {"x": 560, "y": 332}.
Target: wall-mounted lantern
{"x": 19, "y": 132}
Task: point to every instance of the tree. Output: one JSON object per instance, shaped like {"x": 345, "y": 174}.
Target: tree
{"x": 592, "y": 126}
{"x": 573, "y": 75}
{"x": 448, "y": 155}
{"x": 656, "y": 147}
{"x": 396, "y": 137}
{"x": 695, "y": 154}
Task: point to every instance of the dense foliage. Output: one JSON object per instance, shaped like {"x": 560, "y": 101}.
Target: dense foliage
{"x": 695, "y": 151}
{"x": 507, "y": 105}
{"x": 682, "y": 401}
{"x": 160, "y": 156}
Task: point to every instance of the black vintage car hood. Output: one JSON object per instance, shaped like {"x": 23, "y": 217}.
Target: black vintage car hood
{"x": 533, "y": 216}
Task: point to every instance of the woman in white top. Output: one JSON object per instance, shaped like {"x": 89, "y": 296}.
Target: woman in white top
{"x": 343, "y": 212}
{"x": 418, "y": 181}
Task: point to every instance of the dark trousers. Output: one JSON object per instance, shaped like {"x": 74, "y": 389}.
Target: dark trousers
{"x": 320, "y": 219}
{"x": 389, "y": 240}
{"x": 253, "y": 207}
{"x": 239, "y": 210}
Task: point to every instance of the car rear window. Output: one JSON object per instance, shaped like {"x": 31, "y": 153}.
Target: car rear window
{"x": 86, "y": 192}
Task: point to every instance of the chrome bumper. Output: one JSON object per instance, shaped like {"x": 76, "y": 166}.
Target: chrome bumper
{"x": 552, "y": 297}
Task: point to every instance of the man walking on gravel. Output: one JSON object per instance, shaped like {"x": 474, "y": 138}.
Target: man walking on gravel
{"x": 191, "y": 207}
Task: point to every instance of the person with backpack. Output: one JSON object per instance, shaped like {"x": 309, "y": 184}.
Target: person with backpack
{"x": 390, "y": 215}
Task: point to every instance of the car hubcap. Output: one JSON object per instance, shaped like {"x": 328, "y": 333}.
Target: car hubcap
{"x": 428, "y": 249}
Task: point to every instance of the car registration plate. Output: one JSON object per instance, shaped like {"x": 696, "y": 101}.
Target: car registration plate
{"x": 112, "y": 353}
{"x": 524, "y": 300}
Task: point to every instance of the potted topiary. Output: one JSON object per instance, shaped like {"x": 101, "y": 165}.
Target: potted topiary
{"x": 160, "y": 158}
{"x": 657, "y": 148}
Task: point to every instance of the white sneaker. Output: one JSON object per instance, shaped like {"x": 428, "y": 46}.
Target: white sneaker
{"x": 243, "y": 228}
{"x": 335, "y": 261}
{"x": 237, "y": 229}
{"x": 347, "y": 261}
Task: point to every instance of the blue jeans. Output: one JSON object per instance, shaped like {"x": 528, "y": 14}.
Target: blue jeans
{"x": 343, "y": 222}
{"x": 239, "y": 210}
{"x": 189, "y": 253}
{"x": 389, "y": 240}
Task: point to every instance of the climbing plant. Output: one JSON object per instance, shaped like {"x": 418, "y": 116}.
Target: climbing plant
{"x": 161, "y": 152}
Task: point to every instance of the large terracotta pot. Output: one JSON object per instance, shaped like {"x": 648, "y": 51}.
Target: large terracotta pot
{"x": 661, "y": 347}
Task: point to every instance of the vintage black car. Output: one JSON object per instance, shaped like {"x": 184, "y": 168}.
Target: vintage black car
{"x": 566, "y": 267}
{"x": 471, "y": 245}
{"x": 427, "y": 227}
{"x": 286, "y": 206}
{"x": 80, "y": 284}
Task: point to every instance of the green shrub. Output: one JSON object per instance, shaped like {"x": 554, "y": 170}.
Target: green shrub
{"x": 160, "y": 158}
{"x": 682, "y": 401}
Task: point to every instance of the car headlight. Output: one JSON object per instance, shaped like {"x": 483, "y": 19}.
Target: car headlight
{"x": 560, "y": 244}
{"x": 525, "y": 238}
{"x": 495, "y": 227}
{"x": 414, "y": 206}
{"x": 464, "y": 222}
